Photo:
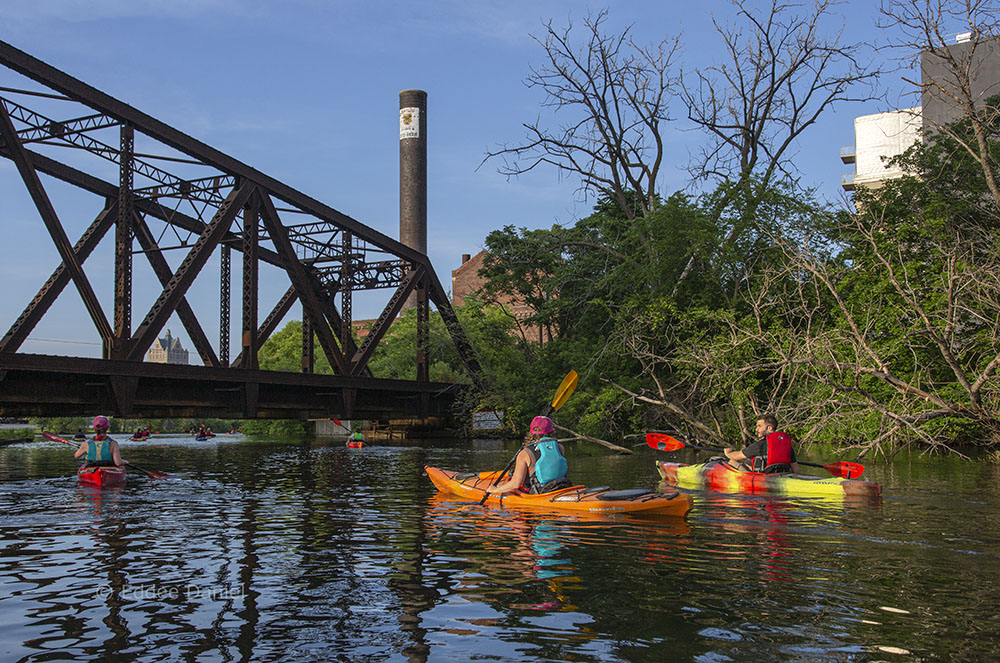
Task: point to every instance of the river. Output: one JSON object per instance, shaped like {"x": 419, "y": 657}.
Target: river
{"x": 267, "y": 550}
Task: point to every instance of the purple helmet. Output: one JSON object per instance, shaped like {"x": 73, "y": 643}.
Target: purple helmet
{"x": 101, "y": 422}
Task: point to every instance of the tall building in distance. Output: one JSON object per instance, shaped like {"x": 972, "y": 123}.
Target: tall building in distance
{"x": 167, "y": 350}
{"x": 882, "y": 136}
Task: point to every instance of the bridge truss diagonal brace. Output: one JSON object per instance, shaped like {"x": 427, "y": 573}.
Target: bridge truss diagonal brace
{"x": 465, "y": 349}
{"x": 299, "y": 277}
{"x": 51, "y": 220}
{"x": 59, "y": 279}
{"x": 162, "y": 270}
{"x": 381, "y": 326}
{"x": 337, "y": 322}
{"x": 194, "y": 261}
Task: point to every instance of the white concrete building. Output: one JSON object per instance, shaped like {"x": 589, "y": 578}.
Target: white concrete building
{"x": 877, "y": 138}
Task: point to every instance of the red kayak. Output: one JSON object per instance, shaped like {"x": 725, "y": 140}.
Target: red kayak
{"x": 101, "y": 477}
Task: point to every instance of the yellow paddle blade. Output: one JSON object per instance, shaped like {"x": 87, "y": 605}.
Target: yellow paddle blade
{"x": 565, "y": 390}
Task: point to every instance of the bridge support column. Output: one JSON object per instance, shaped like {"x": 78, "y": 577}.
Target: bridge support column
{"x": 251, "y": 339}
{"x": 423, "y": 333}
{"x": 123, "y": 249}
{"x": 308, "y": 345}
{"x": 225, "y": 279}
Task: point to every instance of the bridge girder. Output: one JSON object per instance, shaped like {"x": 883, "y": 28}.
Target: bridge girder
{"x": 208, "y": 201}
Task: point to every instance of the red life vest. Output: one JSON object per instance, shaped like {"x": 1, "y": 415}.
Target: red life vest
{"x": 779, "y": 448}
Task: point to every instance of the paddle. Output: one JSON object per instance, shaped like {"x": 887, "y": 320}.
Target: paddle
{"x": 565, "y": 390}
{"x": 337, "y": 421}
{"x": 663, "y": 442}
{"x": 151, "y": 474}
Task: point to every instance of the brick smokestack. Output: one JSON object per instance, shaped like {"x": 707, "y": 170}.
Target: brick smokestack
{"x": 413, "y": 173}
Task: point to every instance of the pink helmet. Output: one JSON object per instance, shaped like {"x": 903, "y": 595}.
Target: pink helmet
{"x": 101, "y": 422}
{"x": 541, "y": 425}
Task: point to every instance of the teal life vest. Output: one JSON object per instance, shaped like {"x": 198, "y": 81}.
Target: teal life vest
{"x": 99, "y": 450}
{"x": 548, "y": 465}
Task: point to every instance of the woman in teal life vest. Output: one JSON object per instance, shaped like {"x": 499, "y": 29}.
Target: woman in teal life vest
{"x": 540, "y": 465}
{"x": 101, "y": 451}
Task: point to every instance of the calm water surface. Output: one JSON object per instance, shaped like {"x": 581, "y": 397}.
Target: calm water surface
{"x": 260, "y": 550}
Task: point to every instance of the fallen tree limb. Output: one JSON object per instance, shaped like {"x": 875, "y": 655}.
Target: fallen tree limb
{"x": 581, "y": 436}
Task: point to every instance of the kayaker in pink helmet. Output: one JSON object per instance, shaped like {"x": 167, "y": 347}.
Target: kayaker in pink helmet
{"x": 540, "y": 465}
{"x": 772, "y": 453}
{"x": 101, "y": 450}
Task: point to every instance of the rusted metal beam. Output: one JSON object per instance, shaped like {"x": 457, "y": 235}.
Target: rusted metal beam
{"x": 77, "y": 90}
{"x": 272, "y": 321}
{"x": 423, "y": 332}
{"x": 303, "y": 286}
{"x": 225, "y": 281}
{"x": 42, "y": 385}
{"x": 360, "y": 359}
{"x": 99, "y": 187}
{"x": 250, "y": 341}
{"x": 123, "y": 247}
{"x": 184, "y": 312}
{"x": 49, "y": 292}
{"x": 51, "y": 220}
{"x": 167, "y": 302}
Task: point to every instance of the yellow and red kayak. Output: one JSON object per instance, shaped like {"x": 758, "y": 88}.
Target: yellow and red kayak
{"x": 101, "y": 477}
{"x": 472, "y": 486}
{"x": 721, "y": 476}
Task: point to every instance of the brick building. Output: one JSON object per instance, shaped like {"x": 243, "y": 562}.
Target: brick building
{"x": 466, "y": 281}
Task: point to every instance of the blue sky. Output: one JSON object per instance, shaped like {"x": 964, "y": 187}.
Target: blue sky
{"x": 307, "y": 92}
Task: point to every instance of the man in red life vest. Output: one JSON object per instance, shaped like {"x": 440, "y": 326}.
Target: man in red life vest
{"x": 771, "y": 453}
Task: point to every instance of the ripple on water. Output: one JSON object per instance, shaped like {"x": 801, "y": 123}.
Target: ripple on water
{"x": 352, "y": 552}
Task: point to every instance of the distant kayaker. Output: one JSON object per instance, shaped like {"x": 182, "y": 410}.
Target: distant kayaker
{"x": 101, "y": 451}
{"x": 771, "y": 453}
{"x": 540, "y": 466}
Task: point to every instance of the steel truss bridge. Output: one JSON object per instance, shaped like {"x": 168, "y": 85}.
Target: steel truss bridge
{"x": 175, "y": 193}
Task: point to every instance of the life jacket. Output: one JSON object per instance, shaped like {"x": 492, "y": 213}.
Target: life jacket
{"x": 99, "y": 452}
{"x": 779, "y": 454}
{"x": 548, "y": 467}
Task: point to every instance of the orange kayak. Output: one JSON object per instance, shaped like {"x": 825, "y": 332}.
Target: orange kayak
{"x": 472, "y": 486}
{"x": 101, "y": 477}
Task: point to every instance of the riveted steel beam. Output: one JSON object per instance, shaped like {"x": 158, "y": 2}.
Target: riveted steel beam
{"x": 184, "y": 312}
{"x": 167, "y": 302}
{"x": 60, "y": 278}
{"x": 51, "y": 220}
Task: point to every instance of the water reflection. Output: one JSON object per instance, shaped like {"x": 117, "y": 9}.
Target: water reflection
{"x": 272, "y": 551}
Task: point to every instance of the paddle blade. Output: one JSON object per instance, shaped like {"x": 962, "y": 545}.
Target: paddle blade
{"x": 565, "y": 390}
{"x": 55, "y": 438}
{"x": 845, "y": 469}
{"x": 663, "y": 442}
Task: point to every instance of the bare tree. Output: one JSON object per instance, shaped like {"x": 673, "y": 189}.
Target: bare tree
{"x": 953, "y": 83}
{"x": 783, "y": 68}
{"x": 612, "y": 96}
